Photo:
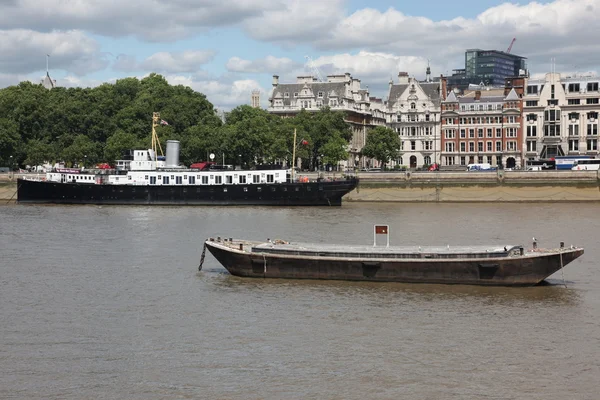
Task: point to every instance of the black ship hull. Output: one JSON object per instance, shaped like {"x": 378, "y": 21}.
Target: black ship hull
{"x": 240, "y": 259}
{"x": 322, "y": 193}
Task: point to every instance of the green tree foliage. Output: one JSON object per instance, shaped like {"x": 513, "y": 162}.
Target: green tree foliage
{"x": 382, "y": 144}
{"x": 94, "y": 125}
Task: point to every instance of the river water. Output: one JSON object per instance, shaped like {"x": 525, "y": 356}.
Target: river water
{"x": 107, "y": 303}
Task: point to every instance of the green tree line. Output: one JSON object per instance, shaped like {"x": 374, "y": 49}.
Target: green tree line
{"x": 93, "y": 125}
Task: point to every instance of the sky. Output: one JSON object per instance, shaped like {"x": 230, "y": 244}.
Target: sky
{"x": 226, "y": 49}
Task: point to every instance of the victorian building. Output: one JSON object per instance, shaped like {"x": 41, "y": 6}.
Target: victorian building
{"x": 561, "y": 116}
{"x": 339, "y": 92}
{"x": 482, "y": 126}
{"x": 414, "y": 113}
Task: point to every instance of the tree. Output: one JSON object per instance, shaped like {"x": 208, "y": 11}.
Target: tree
{"x": 382, "y": 144}
{"x": 83, "y": 149}
{"x": 38, "y": 153}
{"x": 117, "y": 143}
{"x": 335, "y": 150}
{"x": 9, "y": 141}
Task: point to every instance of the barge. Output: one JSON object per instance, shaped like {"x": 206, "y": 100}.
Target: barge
{"x": 494, "y": 265}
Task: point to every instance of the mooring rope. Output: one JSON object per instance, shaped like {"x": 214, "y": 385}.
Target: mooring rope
{"x": 202, "y": 257}
{"x": 265, "y": 268}
{"x": 11, "y": 197}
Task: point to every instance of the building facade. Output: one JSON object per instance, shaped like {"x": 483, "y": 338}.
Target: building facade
{"x": 561, "y": 116}
{"x": 414, "y": 113}
{"x": 339, "y": 92}
{"x": 483, "y": 126}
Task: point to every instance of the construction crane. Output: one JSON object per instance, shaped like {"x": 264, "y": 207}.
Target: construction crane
{"x": 511, "y": 45}
{"x": 314, "y": 68}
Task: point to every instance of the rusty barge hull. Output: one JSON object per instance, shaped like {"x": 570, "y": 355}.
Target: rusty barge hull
{"x": 510, "y": 266}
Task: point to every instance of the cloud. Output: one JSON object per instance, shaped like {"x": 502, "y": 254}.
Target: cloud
{"x": 186, "y": 61}
{"x": 297, "y": 21}
{"x": 159, "y": 20}
{"x": 540, "y": 29}
{"x": 371, "y": 65}
{"x": 222, "y": 94}
{"x": 24, "y": 51}
{"x": 268, "y": 65}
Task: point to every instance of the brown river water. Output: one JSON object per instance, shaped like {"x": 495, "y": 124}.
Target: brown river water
{"x": 108, "y": 303}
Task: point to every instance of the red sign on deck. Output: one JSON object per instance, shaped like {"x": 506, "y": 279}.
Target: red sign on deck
{"x": 381, "y": 229}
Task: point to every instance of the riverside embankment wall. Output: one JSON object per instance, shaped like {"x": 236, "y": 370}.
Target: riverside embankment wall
{"x": 497, "y": 186}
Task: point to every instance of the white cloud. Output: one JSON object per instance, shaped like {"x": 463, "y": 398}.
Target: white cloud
{"x": 369, "y": 66}
{"x": 541, "y": 30}
{"x": 186, "y": 61}
{"x": 268, "y": 65}
{"x": 158, "y": 20}
{"x": 222, "y": 94}
{"x": 297, "y": 21}
{"x": 24, "y": 51}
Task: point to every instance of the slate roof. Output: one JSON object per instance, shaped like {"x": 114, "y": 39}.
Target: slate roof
{"x": 316, "y": 87}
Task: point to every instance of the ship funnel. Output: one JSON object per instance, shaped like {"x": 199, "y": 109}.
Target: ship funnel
{"x": 172, "y": 154}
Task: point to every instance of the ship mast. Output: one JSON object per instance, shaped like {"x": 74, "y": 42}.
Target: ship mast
{"x": 294, "y": 156}
{"x": 155, "y": 141}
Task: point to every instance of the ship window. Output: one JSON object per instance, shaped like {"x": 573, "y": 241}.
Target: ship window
{"x": 245, "y": 189}
{"x": 146, "y": 177}
{"x": 166, "y": 180}
{"x": 205, "y": 180}
{"x": 129, "y": 178}
{"x": 272, "y": 189}
{"x": 242, "y": 179}
{"x": 297, "y": 189}
{"x": 192, "y": 180}
{"x": 172, "y": 176}
{"x": 185, "y": 177}
{"x": 256, "y": 179}
{"x": 270, "y": 178}
{"x": 218, "y": 179}
{"x": 198, "y": 177}
{"x": 178, "y": 180}
{"x": 228, "y": 179}
{"x": 224, "y": 189}
{"x": 259, "y": 189}
{"x": 159, "y": 177}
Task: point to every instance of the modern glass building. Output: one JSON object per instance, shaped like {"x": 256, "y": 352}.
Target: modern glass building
{"x": 490, "y": 67}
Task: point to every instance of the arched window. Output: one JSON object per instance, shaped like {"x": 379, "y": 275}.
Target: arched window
{"x": 413, "y": 106}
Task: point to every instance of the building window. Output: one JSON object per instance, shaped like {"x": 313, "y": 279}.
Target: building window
{"x": 531, "y": 146}
{"x": 531, "y": 89}
{"x": 531, "y": 103}
{"x": 573, "y": 87}
{"x": 413, "y": 145}
{"x": 427, "y": 160}
{"x": 593, "y": 100}
{"x": 471, "y": 133}
{"x": 573, "y": 130}
{"x": 449, "y": 160}
{"x": 490, "y": 132}
{"x": 320, "y": 95}
{"x": 573, "y": 145}
{"x": 573, "y": 116}
{"x": 480, "y": 146}
{"x": 449, "y": 147}
{"x": 592, "y": 115}
{"x": 498, "y": 132}
{"x": 552, "y": 115}
{"x": 592, "y": 129}
{"x": 531, "y": 130}
{"x": 551, "y": 130}
{"x": 498, "y": 145}
{"x": 572, "y": 102}
{"x": 296, "y": 94}
{"x": 479, "y": 133}
{"x": 427, "y": 117}
{"x": 463, "y": 147}
{"x": 286, "y": 95}
{"x": 471, "y": 146}
{"x": 553, "y": 102}
{"x": 489, "y": 146}
{"x": 592, "y": 87}
{"x": 592, "y": 144}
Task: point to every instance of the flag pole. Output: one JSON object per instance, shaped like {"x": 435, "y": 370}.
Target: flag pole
{"x": 294, "y": 156}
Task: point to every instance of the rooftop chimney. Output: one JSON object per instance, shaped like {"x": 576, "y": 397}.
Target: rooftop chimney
{"x": 477, "y": 94}
{"x": 275, "y": 80}
{"x": 403, "y": 78}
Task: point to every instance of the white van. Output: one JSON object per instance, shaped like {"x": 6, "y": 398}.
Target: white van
{"x": 479, "y": 167}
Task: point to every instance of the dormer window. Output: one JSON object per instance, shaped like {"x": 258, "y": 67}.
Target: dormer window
{"x": 320, "y": 95}
{"x": 413, "y": 106}
{"x": 286, "y": 95}
{"x": 296, "y": 94}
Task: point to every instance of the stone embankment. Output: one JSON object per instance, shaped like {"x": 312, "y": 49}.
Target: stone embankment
{"x": 493, "y": 186}
{"x": 496, "y": 186}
